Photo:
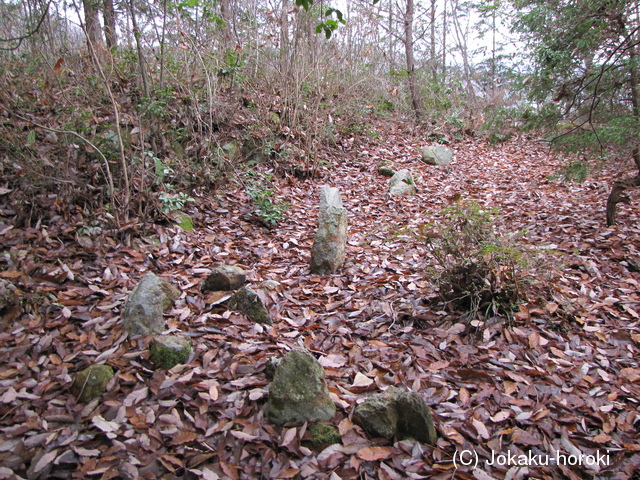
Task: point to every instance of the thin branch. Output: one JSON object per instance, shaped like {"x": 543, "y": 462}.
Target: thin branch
{"x": 21, "y": 38}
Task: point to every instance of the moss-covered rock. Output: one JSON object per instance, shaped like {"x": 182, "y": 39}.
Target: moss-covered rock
{"x": 322, "y": 434}
{"x": 396, "y": 413}
{"x": 248, "y": 302}
{"x": 386, "y": 168}
{"x": 91, "y": 382}
{"x": 167, "y": 351}
{"x": 299, "y": 391}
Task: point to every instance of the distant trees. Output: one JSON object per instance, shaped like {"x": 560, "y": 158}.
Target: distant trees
{"x": 587, "y": 57}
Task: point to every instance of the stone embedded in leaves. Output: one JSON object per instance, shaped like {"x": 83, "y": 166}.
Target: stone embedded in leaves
{"x": 437, "y": 155}
{"x": 224, "y": 277}
{"x": 397, "y": 413}
{"x": 143, "y": 312}
{"x": 322, "y": 434}
{"x": 299, "y": 391}
{"x": 385, "y": 168}
{"x": 91, "y": 382}
{"x": 402, "y": 183}
{"x": 167, "y": 351}
{"x": 247, "y": 301}
{"x": 327, "y": 253}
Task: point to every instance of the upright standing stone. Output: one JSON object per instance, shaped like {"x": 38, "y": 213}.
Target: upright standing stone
{"x": 327, "y": 253}
{"x": 142, "y": 315}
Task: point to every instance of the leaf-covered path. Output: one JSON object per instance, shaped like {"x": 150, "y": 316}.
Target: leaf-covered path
{"x": 562, "y": 376}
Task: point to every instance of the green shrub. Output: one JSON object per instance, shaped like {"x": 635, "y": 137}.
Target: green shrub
{"x": 476, "y": 268}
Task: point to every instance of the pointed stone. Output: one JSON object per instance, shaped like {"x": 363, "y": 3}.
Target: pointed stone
{"x": 249, "y": 302}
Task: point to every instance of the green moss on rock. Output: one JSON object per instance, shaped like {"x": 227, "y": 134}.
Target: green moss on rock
{"x": 168, "y": 351}
{"x": 322, "y": 434}
{"x": 91, "y": 382}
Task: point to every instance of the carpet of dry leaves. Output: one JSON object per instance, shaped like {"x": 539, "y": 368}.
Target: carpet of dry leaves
{"x": 563, "y": 375}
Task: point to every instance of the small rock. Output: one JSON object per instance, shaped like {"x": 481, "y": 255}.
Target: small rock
{"x": 396, "y": 413}
{"x": 167, "y": 351}
{"x": 224, "y": 277}
{"x": 437, "y": 155}
{"x": 385, "y": 168}
{"x": 91, "y": 382}
{"x": 378, "y": 414}
{"x": 147, "y": 302}
{"x": 299, "y": 391}
{"x": 249, "y": 302}
{"x": 402, "y": 183}
{"x": 322, "y": 434}
{"x": 269, "y": 284}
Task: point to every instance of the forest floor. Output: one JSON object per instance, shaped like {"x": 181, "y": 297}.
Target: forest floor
{"x": 562, "y": 375}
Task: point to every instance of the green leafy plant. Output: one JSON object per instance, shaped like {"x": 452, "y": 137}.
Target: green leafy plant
{"x": 171, "y": 202}
{"x": 476, "y": 268}
{"x": 257, "y": 185}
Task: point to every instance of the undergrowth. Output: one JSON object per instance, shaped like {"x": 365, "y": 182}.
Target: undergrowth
{"x": 478, "y": 268}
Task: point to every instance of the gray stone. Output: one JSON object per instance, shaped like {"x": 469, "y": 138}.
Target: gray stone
{"x": 378, "y": 414}
{"x": 224, "y": 277}
{"x": 396, "y": 413}
{"x": 402, "y": 183}
{"x": 167, "y": 351}
{"x": 327, "y": 253}
{"x": 247, "y": 301}
{"x": 147, "y": 302}
{"x": 299, "y": 391}
{"x": 437, "y": 155}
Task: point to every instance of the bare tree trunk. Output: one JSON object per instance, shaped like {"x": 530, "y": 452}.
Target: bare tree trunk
{"x": 110, "y": 33}
{"x": 444, "y": 43}
{"x": 434, "y": 63}
{"x": 391, "y": 54}
{"x": 414, "y": 90}
{"x": 617, "y": 192}
{"x": 92, "y": 22}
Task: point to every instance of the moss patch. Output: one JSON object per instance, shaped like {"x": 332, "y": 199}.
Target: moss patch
{"x": 322, "y": 434}
{"x": 91, "y": 382}
{"x": 168, "y": 351}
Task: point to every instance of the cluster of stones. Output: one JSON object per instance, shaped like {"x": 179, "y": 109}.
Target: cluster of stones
{"x": 298, "y": 392}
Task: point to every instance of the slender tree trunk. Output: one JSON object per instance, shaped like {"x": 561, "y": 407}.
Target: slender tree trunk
{"x": 391, "y": 54}
{"x": 110, "y": 33}
{"x": 414, "y": 90}
{"x": 617, "y": 194}
{"x": 434, "y": 63}
{"x": 92, "y": 22}
{"x": 444, "y": 43}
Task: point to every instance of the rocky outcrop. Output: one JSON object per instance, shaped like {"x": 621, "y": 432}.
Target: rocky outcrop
{"x": 402, "y": 183}
{"x": 437, "y": 155}
{"x": 142, "y": 314}
{"x": 299, "y": 391}
{"x": 327, "y": 253}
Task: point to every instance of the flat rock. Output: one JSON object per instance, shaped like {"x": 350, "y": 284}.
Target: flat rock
{"x": 224, "y": 278}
